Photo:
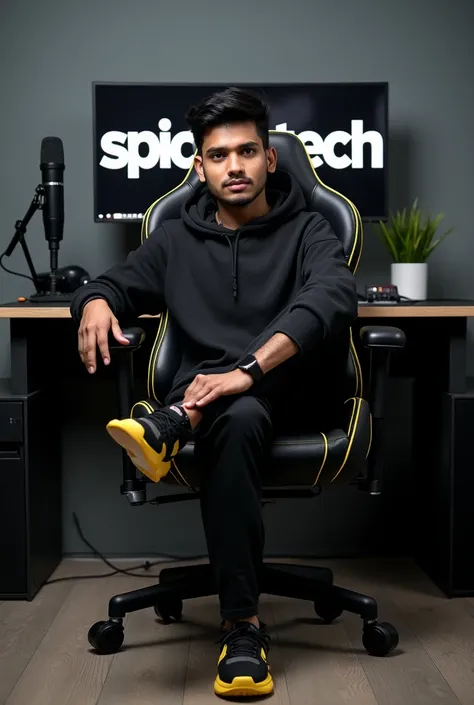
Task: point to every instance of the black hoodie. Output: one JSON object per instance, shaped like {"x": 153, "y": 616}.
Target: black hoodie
{"x": 230, "y": 291}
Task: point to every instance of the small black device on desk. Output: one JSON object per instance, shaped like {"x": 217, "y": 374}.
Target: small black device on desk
{"x": 385, "y": 294}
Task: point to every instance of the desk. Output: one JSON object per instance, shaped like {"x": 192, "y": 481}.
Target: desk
{"x": 443, "y": 413}
{"x": 425, "y": 309}
{"x": 440, "y": 322}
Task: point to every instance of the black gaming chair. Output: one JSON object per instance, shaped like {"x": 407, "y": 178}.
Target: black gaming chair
{"x": 300, "y": 465}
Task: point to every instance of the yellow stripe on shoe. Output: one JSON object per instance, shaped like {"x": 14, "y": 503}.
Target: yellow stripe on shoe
{"x": 130, "y": 434}
{"x": 243, "y": 686}
{"x": 223, "y": 654}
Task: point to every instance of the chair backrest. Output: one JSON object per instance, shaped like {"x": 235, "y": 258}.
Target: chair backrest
{"x": 338, "y": 210}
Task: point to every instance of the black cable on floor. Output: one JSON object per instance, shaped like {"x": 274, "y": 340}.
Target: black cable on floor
{"x": 126, "y": 571}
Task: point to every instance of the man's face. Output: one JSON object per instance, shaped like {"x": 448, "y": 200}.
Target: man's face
{"x": 234, "y": 163}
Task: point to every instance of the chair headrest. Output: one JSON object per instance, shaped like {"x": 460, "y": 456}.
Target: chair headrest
{"x": 292, "y": 157}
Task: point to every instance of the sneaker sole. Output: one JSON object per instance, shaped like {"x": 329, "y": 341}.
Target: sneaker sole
{"x": 129, "y": 434}
{"x": 243, "y": 687}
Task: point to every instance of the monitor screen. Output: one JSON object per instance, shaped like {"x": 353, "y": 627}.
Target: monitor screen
{"x": 143, "y": 147}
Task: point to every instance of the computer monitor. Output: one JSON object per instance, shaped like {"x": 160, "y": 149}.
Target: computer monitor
{"x": 143, "y": 147}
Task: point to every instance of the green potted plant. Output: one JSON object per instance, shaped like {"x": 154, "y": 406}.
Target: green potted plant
{"x": 410, "y": 240}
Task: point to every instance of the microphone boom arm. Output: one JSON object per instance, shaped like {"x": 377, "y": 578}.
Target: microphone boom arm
{"x": 20, "y": 230}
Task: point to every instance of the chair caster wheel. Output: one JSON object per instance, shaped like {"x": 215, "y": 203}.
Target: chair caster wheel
{"x": 379, "y": 639}
{"x": 328, "y": 611}
{"x": 169, "y": 607}
{"x": 106, "y": 637}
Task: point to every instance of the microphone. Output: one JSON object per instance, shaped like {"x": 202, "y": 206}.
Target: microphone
{"x": 57, "y": 285}
{"x": 52, "y": 169}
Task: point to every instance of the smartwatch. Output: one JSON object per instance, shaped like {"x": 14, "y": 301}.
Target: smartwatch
{"x": 250, "y": 365}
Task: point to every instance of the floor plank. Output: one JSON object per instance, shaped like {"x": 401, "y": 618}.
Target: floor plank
{"x": 276, "y": 657}
{"x": 408, "y": 675}
{"x": 468, "y": 603}
{"x": 64, "y": 669}
{"x": 445, "y": 627}
{"x": 151, "y": 666}
{"x": 203, "y": 650}
{"x": 320, "y": 664}
{"x": 23, "y": 626}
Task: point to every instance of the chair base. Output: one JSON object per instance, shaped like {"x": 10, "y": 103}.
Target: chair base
{"x": 286, "y": 580}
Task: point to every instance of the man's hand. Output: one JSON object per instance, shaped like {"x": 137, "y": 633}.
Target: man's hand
{"x": 206, "y": 388}
{"x": 96, "y": 322}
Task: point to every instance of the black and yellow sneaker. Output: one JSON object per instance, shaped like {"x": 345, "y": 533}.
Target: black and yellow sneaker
{"x": 242, "y": 668}
{"x": 152, "y": 441}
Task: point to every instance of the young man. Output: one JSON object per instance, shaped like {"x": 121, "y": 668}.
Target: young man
{"x": 262, "y": 295}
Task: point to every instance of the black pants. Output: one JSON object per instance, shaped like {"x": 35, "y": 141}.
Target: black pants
{"x": 232, "y": 452}
{"x": 232, "y": 446}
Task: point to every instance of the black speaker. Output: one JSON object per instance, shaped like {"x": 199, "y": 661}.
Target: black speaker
{"x": 30, "y": 491}
{"x": 444, "y": 526}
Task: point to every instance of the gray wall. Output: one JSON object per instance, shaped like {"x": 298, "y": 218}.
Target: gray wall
{"x": 50, "y": 52}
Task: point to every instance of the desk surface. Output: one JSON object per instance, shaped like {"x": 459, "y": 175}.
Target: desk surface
{"x": 425, "y": 309}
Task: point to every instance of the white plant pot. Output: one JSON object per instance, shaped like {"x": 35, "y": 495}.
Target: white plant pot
{"x": 411, "y": 279}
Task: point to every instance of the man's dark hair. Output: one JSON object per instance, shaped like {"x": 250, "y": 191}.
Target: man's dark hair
{"x": 228, "y": 106}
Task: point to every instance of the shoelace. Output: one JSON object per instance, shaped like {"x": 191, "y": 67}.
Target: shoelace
{"x": 263, "y": 627}
{"x": 245, "y": 642}
{"x": 168, "y": 426}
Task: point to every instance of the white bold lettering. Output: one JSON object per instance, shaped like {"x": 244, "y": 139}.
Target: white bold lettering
{"x": 330, "y": 157}
{"x": 111, "y": 144}
{"x": 359, "y": 138}
{"x": 282, "y": 127}
{"x": 164, "y": 126}
{"x": 168, "y": 151}
{"x": 314, "y": 144}
{"x": 177, "y": 143}
{"x": 135, "y": 159}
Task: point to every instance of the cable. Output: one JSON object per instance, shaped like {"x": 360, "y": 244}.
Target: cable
{"x": 10, "y": 271}
{"x": 129, "y": 571}
{"x": 126, "y": 571}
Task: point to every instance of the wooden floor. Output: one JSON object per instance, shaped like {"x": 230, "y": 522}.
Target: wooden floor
{"x": 45, "y": 658}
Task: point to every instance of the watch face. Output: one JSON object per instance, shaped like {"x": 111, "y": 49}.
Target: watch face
{"x": 249, "y": 364}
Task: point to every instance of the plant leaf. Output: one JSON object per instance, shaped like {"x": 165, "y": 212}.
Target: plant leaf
{"x": 406, "y": 237}
{"x": 387, "y": 239}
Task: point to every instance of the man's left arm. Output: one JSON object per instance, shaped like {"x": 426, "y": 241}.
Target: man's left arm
{"x": 324, "y": 305}
{"x": 275, "y": 351}
{"x": 206, "y": 388}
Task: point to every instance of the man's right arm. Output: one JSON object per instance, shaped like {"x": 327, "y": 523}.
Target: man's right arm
{"x": 125, "y": 290}
{"x": 133, "y": 287}
{"x": 96, "y": 323}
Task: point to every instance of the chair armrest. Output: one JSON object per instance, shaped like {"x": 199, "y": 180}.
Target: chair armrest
{"x": 133, "y": 487}
{"x": 382, "y": 342}
{"x": 383, "y": 338}
{"x": 124, "y": 363}
{"x": 134, "y": 335}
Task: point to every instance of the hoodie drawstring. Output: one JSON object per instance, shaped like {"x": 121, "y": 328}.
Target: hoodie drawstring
{"x": 234, "y": 262}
